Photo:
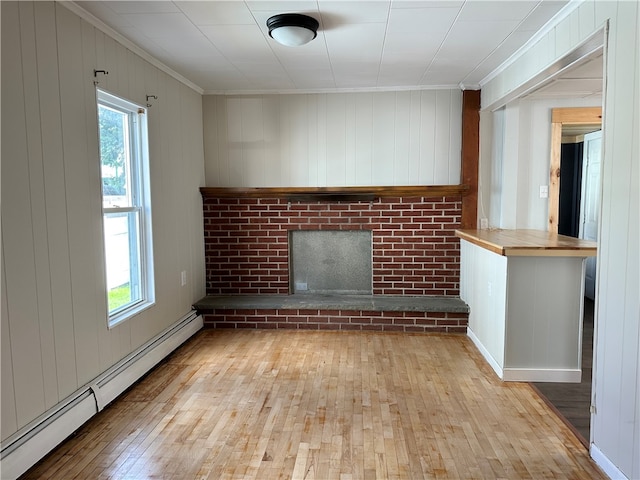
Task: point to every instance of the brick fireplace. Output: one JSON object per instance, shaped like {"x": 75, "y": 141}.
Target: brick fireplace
{"x": 414, "y": 253}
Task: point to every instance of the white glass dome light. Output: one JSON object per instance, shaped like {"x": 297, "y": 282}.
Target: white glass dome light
{"x": 292, "y": 29}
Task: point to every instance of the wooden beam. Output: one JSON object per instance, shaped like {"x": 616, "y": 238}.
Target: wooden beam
{"x": 577, "y": 115}
{"x": 554, "y": 176}
{"x": 470, "y": 156}
{"x": 331, "y": 193}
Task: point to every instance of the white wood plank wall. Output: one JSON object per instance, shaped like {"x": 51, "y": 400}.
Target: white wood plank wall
{"x": 54, "y": 327}
{"x": 334, "y": 139}
{"x": 616, "y": 423}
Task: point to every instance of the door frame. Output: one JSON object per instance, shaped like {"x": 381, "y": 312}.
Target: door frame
{"x": 560, "y": 117}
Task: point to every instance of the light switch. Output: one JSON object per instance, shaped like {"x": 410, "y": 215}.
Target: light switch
{"x": 544, "y": 191}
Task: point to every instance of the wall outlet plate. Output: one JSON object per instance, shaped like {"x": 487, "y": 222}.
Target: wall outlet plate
{"x": 484, "y": 223}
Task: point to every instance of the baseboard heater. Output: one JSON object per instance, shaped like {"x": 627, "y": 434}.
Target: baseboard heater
{"x": 24, "y": 448}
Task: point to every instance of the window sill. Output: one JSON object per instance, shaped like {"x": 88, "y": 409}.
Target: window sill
{"x": 117, "y": 319}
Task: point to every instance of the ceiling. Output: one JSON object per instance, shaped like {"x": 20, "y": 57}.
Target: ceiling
{"x": 224, "y": 46}
{"x": 582, "y": 80}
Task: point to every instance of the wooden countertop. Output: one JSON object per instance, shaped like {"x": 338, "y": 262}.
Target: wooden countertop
{"x": 529, "y": 243}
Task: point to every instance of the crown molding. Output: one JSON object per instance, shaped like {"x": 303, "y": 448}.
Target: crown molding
{"x": 564, "y": 12}
{"x": 100, "y": 25}
{"x": 331, "y": 90}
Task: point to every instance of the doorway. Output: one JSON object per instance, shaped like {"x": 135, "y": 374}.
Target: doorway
{"x": 577, "y": 192}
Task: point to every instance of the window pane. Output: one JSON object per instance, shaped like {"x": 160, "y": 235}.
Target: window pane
{"x": 121, "y": 239}
{"x": 115, "y": 157}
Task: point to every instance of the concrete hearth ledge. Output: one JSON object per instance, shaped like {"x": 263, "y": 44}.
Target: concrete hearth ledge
{"x": 374, "y": 303}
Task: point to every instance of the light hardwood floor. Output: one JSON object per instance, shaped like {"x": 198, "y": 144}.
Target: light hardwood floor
{"x": 322, "y": 405}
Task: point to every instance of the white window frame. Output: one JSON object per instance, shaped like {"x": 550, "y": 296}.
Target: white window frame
{"x": 138, "y": 187}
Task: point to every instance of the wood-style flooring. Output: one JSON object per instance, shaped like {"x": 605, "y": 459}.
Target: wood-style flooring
{"x": 322, "y": 405}
{"x": 573, "y": 400}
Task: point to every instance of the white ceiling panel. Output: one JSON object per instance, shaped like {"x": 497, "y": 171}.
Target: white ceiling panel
{"x": 397, "y": 4}
{"x": 240, "y": 43}
{"x": 347, "y": 12}
{"x": 495, "y": 11}
{"x": 142, "y": 7}
{"x": 161, "y": 24}
{"x": 224, "y": 46}
{"x": 356, "y": 42}
{"x": 582, "y": 81}
{"x": 284, "y": 6}
{"x": 417, "y": 21}
{"x": 217, "y": 13}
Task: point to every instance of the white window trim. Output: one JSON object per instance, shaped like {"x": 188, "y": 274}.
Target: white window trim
{"x": 143, "y": 205}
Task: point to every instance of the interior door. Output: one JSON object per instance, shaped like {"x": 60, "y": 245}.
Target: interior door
{"x": 590, "y": 202}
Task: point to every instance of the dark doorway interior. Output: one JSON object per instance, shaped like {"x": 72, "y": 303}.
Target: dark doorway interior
{"x": 570, "y": 189}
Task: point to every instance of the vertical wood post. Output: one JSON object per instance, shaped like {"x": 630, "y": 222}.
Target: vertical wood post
{"x": 470, "y": 156}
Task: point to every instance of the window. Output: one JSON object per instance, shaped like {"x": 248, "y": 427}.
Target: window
{"x": 126, "y": 206}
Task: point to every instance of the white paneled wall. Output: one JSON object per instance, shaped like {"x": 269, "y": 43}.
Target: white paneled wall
{"x": 616, "y": 423}
{"x": 334, "y": 139}
{"x": 520, "y": 153}
{"x": 54, "y": 328}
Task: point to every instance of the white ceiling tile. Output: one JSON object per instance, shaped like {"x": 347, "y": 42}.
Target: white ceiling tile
{"x": 102, "y": 11}
{"x": 283, "y": 6}
{"x": 392, "y": 73}
{"x": 496, "y": 58}
{"x": 216, "y": 13}
{"x": 418, "y": 21}
{"x": 160, "y": 24}
{"x": 224, "y": 45}
{"x": 348, "y": 11}
{"x": 311, "y": 78}
{"x": 359, "y": 42}
{"x": 541, "y": 15}
{"x": 491, "y": 11}
{"x": 460, "y": 43}
{"x": 591, "y": 69}
{"x": 189, "y": 47}
{"x": 397, "y": 4}
{"x": 143, "y": 7}
{"x": 239, "y": 42}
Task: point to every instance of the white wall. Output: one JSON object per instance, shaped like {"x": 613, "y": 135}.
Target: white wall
{"x": 519, "y": 153}
{"x": 336, "y": 139}
{"x": 54, "y": 328}
{"x": 616, "y": 423}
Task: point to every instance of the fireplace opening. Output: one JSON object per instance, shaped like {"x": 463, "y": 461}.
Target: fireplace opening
{"x": 331, "y": 262}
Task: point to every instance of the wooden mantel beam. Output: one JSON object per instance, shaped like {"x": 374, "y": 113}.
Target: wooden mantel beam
{"x": 335, "y": 193}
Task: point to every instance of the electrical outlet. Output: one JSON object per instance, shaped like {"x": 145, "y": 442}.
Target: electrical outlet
{"x": 183, "y": 278}
{"x": 301, "y": 286}
{"x": 484, "y": 223}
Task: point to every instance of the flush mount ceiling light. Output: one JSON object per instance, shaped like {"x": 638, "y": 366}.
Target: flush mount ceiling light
{"x": 292, "y": 29}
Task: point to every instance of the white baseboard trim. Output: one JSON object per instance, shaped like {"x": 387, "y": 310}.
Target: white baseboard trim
{"x": 525, "y": 374}
{"x": 567, "y": 375}
{"x": 485, "y": 353}
{"x": 605, "y": 464}
{"x": 27, "y": 446}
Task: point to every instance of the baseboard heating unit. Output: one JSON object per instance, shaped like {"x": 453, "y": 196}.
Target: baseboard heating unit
{"x": 24, "y": 448}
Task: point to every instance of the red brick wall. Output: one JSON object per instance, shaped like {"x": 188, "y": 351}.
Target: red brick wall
{"x": 415, "y": 251}
{"x": 422, "y": 322}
